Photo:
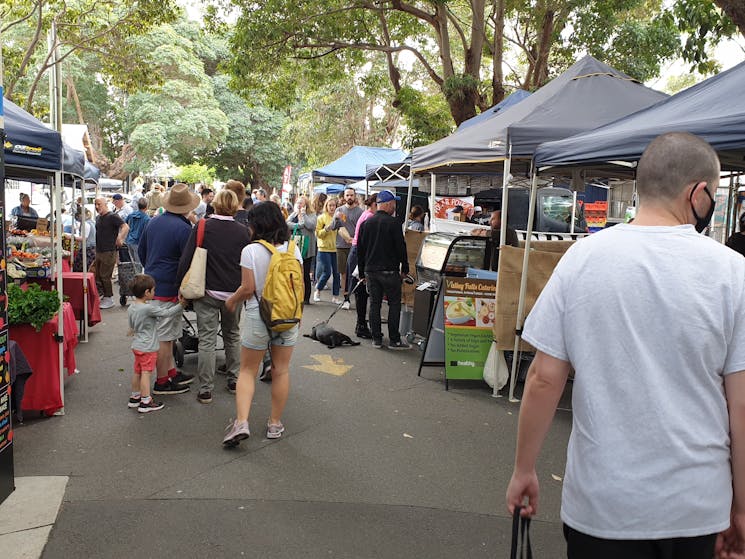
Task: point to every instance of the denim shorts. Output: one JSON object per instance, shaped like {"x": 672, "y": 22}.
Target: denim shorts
{"x": 255, "y": 334}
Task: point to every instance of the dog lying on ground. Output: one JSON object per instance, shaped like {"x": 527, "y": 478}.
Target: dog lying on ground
{"x": 325, "y": 334}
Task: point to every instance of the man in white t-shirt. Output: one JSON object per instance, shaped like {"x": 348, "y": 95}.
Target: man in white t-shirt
{"x": 651, "y": 316}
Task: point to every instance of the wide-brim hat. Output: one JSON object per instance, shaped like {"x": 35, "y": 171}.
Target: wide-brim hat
{"x": 180, "y": 200}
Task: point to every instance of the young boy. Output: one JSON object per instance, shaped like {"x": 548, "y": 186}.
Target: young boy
{"x": 143, "y": 319}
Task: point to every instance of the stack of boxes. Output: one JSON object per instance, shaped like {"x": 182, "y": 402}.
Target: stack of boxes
{"x": 596, "y": 216}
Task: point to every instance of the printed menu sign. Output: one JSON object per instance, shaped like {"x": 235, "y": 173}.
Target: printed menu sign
{"x": 469, "y": 320}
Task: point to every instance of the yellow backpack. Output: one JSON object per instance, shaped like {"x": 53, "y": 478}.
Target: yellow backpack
{"x": 281, "y": 304}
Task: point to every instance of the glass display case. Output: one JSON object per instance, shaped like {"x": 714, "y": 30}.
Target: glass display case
{"x": 450, "y": 254}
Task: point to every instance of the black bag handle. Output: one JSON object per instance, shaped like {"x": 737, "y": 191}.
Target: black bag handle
{"x": 520, "y": 548}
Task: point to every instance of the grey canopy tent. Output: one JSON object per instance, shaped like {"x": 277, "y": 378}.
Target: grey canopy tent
{"x": 587, "y": 95}
{"x": 513, "y": 98}
{"x": 713, "y": 109}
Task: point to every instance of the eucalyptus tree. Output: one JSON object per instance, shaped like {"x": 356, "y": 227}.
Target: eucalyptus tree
{"x": 462, "y": 46}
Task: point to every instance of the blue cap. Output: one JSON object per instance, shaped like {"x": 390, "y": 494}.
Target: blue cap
{"x": 386, "y": 196}
{"x": 117, "y": 197}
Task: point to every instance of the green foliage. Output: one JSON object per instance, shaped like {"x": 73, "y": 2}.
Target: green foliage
{"x": 32, "y": 306}
{"x": 426, "y": 117}
{"x": 196, "y": 173}
{"x": 679, "y": 83}
{"x": 253, "y": 150}
{"x": 180, "y": 116}
{"x": 704, "y": 25}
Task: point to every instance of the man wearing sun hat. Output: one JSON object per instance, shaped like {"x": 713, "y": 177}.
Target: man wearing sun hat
{"x": 383, "y": 263}
{"x": 161, "y": 245}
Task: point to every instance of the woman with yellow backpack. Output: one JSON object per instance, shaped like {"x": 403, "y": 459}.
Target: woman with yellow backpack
{"x": 262, "y": 265}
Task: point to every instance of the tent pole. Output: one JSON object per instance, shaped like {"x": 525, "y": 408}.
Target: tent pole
{"x": 502, "y": 236}
{"x": 574, "y": 211}
{"x": 57, "y": 253}
{"x": 432, "y": 201}
{"x": 84, "y": 260}
{"x": 408, "y": 199}
{"x": 505, "y": 196}
{"x": 523, "y": 285}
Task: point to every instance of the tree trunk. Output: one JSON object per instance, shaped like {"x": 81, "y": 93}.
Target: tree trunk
{"x": 497, "y": 80}
{"x": 540, "y": 70}
{"x": 464, "y": 107}
{"x": 735, "y": 9}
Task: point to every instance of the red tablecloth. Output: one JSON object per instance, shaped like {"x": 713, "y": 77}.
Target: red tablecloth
{"x": 72, "y": 284}
{"x": 42, "y": 388}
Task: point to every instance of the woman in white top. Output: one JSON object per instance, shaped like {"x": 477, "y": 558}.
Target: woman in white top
{"x": 268, "y": 224}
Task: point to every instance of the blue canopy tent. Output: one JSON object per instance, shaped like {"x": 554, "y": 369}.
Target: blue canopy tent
{"x": 352, "y": 166}
{"x": 512, "y": 99}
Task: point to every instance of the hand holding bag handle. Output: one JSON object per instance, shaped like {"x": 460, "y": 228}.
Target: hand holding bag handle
{"x": 193, "y": 284}
{"x": 520, "y": 536}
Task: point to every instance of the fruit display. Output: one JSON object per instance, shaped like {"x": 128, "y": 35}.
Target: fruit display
{"x": 39, "y": 232}
{"x": 17, "y": 232}
{"x": 24, "y": 255}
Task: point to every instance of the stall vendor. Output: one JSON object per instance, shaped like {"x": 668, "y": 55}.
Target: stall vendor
{"x": 25, "y": 209}
{"x": 495, "y": 232}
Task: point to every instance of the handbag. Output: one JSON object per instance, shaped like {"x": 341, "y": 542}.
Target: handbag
{"x": 192, "y": 286}
{"x": 520, "y": 548}
{"x": 300, "y": 241}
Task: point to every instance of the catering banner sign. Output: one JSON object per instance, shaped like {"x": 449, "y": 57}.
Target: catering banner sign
{"x": 469, "y": 322}
{"x": 456, "y": 208}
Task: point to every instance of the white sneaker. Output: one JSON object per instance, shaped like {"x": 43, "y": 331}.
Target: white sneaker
{"x": 336, "y": 300}
{"x": 316, "y": 296}
{"x": 345, "y": 305}
{"x": 106, "y": 302}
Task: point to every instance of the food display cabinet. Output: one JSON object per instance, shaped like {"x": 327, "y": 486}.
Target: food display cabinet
{"x": 450, "y": 254}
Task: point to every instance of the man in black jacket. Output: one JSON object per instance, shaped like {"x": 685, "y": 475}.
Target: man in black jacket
{"x": 382, "y": 261}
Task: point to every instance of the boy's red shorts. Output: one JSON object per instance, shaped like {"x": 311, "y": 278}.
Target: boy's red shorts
{"x": 145, "y": 361}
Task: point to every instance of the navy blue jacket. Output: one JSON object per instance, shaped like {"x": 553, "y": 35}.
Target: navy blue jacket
{"x": 161, "y": 245}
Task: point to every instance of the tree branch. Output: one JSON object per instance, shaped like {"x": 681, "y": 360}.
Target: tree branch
{"x": 31, "y": 48}
{"x": 340, "y": 45}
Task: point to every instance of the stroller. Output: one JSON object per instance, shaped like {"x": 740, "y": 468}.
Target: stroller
{"x": 127, "y": 269}
{"x": 189, "y": 340}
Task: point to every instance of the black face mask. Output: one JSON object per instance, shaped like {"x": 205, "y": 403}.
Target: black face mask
{"x": 702, "y": 222}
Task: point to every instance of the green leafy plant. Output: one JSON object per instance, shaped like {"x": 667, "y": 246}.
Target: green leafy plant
{"x": 33, "y": 306}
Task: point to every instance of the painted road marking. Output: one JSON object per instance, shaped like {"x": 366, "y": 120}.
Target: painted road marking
{"x": 329, "y": 365}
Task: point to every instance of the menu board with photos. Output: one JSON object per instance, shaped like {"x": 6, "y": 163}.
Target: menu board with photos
{"x": 469, "y": 309}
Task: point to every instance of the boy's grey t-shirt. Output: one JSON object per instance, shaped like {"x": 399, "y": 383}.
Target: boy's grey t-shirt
{"x": 348, "y": 221}
{"x": 651, "y": 318}
{"x": 143, "y": 321}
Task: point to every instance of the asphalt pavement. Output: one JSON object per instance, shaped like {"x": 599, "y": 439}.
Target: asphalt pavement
{"x": 375, "y": 462}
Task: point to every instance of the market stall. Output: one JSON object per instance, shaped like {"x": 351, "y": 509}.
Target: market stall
{"x": 34, "y": 153}
{"x": 713, "y": 110}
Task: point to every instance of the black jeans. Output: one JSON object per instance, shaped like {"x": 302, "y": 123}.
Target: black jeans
{"x": 388, "y": 284}
{"x": 360, "y": 296}
{"x": 582, "y": 546}
{"x": 307, "y": 266}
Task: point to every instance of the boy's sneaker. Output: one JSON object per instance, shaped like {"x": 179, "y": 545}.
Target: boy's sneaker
{"x": 400, "y": 344}
{"x": 170, "y": 387}
{"x": 204, "y": 397}
{"x": 106, "y": 303}
{"x": 134, "y": 402}
{"x": 316, "y": 296}
{"x": 152, "y": 405}
{"x": 182, "y": 378}
{"x": 274, "y": 430}
{"x": 377, "y": 343}
{"x": 235, "y": 432}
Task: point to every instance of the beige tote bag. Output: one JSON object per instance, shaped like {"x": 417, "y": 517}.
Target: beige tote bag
{"x": 192, "y": 286}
